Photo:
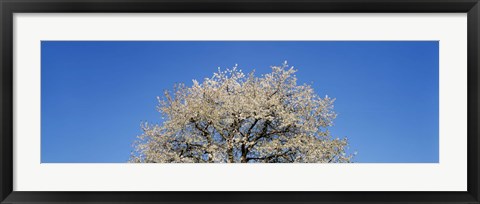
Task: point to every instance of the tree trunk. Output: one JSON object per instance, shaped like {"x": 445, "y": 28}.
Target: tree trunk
{"x": 244, "y": 154}
{"x": 230, "y": 151}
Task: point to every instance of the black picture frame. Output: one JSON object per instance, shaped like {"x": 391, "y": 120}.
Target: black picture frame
{"x": 9, "y": 7}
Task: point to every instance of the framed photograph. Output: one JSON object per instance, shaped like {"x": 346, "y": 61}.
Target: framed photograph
{"x": 269, "y": 101}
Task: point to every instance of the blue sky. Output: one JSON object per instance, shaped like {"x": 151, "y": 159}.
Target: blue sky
{"x": 95, "y": 94}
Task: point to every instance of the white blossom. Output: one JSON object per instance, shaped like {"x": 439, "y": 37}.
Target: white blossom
{"x": 233, "y": 117}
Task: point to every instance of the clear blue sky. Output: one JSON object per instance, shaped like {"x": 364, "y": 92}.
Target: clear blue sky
{"x": 96, "y": 94}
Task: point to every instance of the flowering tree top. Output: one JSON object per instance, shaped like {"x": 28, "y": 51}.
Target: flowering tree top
{"x": 232, "y": 117}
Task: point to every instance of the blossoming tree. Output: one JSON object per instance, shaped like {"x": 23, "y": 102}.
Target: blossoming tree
{"x": 232, "y": 117}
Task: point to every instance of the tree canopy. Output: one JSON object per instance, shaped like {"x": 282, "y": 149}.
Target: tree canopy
{"x": 237, "y": 118}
